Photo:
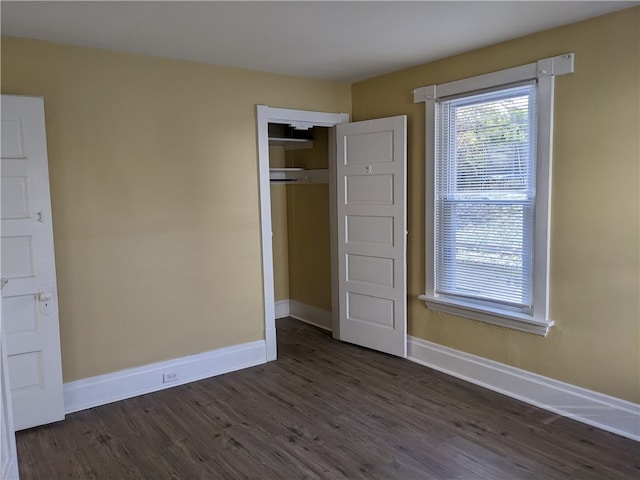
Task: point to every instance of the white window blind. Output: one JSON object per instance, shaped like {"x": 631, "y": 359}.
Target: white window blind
{"x": 485, "y": 196}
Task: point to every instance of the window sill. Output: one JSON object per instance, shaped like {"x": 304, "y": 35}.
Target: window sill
{"x": 494, "y": 316}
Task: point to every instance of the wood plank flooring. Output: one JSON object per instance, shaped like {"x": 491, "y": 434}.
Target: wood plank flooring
{"x": 324, "y": 410}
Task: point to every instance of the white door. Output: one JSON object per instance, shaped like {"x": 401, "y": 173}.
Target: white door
{"x": 8, "y": 454}
{"x": 29, "y": 295}
{"x": 371, "y": 207}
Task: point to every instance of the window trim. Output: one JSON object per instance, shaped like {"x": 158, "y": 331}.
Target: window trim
{"x": 544, "y": 71}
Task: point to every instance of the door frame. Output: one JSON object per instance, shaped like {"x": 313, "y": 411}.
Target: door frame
{"x": 306, "y": 118}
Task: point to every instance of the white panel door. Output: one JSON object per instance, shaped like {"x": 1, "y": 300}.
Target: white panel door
{"x": 8, "y": 453}
{"x": 29, "y": 295}
{"x": 371, "y": 206}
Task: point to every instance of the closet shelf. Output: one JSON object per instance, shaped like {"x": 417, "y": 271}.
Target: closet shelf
{"x": 298, "y": 175}
{"x": 291, "y": 143}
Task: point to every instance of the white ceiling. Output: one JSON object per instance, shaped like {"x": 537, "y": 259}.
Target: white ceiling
{"x": 346, "y": 41}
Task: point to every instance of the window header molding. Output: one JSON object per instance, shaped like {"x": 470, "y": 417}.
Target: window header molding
{"x": 547, "y": 67}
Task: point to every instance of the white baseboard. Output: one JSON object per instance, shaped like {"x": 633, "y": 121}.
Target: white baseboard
{"x": 103, "y": 389}
{"x": 311, "y": 315}
{"x": 593, "y": 408}
{"x": 282, "y": 308}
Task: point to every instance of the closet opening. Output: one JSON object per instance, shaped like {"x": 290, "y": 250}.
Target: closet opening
{"x": 296, "y": 162}
{"x": 300, "y": 223}
{"x": 367, "y": 225}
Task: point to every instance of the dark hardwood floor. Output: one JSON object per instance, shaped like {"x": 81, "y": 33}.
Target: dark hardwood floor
{"x": 324, "y": 410}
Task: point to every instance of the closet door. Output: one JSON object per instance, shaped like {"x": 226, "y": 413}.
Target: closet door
{"x": 371, "y": 208}
{"x": 29, "y": 294}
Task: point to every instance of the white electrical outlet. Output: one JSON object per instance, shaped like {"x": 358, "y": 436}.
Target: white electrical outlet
{"x": 169, "y": 377}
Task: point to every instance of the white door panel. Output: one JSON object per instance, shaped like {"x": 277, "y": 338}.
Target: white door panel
{"x": 15, "y": 189}
{"x": 370, "y": 310}
{"x": 369, "y": 230}
{"x": 369, "y": 148}
{"x": 371, "y": 206}
{"x": 369, "y": 189}
{"x": 12, "y": 138}
{"x": 29, "y": 298}
{"x": 370, "y": 270}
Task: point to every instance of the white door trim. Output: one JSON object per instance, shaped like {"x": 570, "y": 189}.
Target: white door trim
{"x": 266, "y": 114}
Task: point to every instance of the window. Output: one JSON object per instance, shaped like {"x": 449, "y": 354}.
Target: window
{"x": 488, "y": 163}
{"x": 484, "y": 195}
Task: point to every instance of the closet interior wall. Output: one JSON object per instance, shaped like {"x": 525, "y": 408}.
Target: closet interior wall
{"x": 300, "y": 225}
{"x": 279, "y": 223}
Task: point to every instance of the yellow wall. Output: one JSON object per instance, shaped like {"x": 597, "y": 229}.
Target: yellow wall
{"x": 279, "y": 228}
{"x": 153, "y": 170}
{"x": 595, "y": 208}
